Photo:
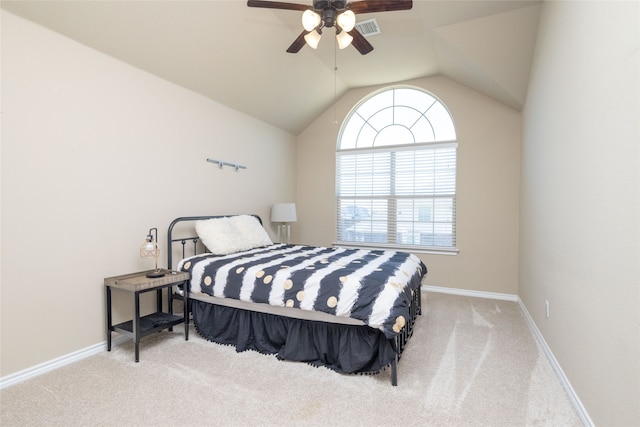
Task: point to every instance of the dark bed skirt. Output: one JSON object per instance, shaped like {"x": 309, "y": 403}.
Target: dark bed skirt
{"x": 343, "y": 348}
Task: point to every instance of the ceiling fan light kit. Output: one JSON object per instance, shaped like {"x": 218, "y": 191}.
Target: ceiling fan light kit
{"x": 333, "y": 13}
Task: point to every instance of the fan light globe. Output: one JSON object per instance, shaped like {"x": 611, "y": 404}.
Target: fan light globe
{"x": 312, "y": 39}
{"x": 310, "y": 20}
{"x": 344, "y": 39}
{"x": 347, "y": 20}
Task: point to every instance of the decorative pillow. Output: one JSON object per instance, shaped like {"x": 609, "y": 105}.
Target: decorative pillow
{"x": 220, "y": 236}
{"x": 252, "y": 231}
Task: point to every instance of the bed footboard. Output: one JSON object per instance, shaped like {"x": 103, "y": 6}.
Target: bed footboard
{"x": 400, "y": 341}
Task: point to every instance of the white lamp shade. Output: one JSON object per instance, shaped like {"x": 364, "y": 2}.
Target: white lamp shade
{"x": 344, "y": 39}
{"x": 346, "y": 20}
{"x": 283, "y": 212}
{"x": 312, "y": 39}
{"x": 310, "y": 20}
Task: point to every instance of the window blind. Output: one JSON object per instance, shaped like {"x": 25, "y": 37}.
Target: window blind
{"x": 404, "y": 196}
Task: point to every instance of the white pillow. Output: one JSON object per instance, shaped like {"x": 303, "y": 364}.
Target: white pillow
{"x": 252, "y": 231}
{"x": 220, "y": 236}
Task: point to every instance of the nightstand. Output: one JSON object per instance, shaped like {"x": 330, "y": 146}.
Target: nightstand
{"x": 138, "y": 283}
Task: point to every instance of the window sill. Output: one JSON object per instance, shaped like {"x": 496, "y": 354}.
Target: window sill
{"x": 412, "y": 249}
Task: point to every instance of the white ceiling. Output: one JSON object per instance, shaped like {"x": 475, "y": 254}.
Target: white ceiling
{"x": 237, "y": 56}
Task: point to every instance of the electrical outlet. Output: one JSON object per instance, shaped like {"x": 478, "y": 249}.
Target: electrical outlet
{"x": 546, "y": 307}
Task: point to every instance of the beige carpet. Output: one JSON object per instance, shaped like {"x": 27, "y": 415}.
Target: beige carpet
{"x": 471, "y": 361}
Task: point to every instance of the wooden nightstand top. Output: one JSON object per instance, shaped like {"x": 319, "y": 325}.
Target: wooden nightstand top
{"x": 139, "y": 281}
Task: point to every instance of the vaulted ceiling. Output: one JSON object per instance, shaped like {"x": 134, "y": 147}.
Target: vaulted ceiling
{"x": 237, "y": 56}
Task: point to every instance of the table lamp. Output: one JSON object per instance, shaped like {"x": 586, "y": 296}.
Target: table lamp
{"x": 284, "y": 213}
{"x": 149, "y": 249}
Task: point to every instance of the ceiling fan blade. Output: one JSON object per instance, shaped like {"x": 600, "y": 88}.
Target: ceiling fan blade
{"x": 368, "y": 6}
{"x": 359, "y": 42}
{"x": 277, "y": 5}
{"x": 298, "y": 43}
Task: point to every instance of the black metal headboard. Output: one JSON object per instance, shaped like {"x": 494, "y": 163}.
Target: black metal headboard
{"x": 190, "y": 237}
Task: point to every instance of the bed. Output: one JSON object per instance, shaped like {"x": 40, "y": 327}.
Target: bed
{"x": 350, "y": 310}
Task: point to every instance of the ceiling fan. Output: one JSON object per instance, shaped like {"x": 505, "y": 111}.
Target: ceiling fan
{"x": 333, "y": 13}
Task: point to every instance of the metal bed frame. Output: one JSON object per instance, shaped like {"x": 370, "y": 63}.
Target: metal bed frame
{"x": 399, "y": 342}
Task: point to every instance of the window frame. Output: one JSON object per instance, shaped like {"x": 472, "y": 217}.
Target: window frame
{"x": 392, "y": 198}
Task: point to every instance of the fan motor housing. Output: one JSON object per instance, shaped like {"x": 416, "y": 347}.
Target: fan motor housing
{"x": 329, "y": 17}
{"x": 324, "y": 4}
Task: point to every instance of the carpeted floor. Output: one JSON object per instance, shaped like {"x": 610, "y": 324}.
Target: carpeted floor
{"x": 471, "y": 362}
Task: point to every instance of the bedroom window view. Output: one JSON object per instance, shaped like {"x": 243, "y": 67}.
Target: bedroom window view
{"x": 396, "y": 173}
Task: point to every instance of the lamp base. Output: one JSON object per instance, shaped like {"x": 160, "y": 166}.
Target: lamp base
{"x": 155, "y": 273}
{"x": 284, "y": 233}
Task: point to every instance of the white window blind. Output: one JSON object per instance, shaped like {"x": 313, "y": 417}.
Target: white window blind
{"x": 397, "y": 192}
{"x": 404, "y": 198}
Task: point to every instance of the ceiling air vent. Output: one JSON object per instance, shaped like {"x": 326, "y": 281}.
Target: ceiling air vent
{"x": 368, "y": 28}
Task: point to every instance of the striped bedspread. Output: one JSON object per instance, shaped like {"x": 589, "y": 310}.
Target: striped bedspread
{"x": 374, "y": 286}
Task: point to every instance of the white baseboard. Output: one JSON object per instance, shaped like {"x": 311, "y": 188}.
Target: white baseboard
{"x": 573, "y": 396}
{"x": 468, "y": 293}
{"x": 51, "y": 365}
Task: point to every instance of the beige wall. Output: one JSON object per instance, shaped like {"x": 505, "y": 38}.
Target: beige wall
{"x": 94, "y": 153}
{"x": 579, "y": 201}
{"x": 489, "y": 137}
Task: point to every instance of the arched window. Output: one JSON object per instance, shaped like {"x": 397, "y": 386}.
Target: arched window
{"x": 396, "y": 172}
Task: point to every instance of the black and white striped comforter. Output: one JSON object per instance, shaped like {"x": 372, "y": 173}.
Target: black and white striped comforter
{"x": 374, "y": 286}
